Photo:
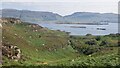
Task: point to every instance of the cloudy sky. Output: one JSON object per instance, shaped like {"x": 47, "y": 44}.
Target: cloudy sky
{"x": 63, "y": 7}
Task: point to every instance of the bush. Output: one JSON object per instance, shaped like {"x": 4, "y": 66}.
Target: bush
{"x": 86, "y": 49}
{"x": 98, "y": 38}
{"x": 104, "y": 43}
{"x": 88, "y": 34}
{"x": 91, "y": 42}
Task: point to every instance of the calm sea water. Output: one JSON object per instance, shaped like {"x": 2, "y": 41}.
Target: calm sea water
{"x": 90, "y": 29}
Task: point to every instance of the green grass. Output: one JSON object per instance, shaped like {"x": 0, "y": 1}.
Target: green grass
{"x": 53, "y": 48}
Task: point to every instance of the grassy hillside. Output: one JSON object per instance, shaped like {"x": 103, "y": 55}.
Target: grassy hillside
{"x": 41, "y": 46}
{"x": 38, "y": 44}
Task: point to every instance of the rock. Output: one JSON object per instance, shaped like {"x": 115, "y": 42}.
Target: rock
{"x": 3, "y": 37}
{"x": 15, "y": 46}
{"x": 45, "y": 63}
{"x": 11, "y": 51}
{"x": 30, "y": 36}
{"x": 15, "y": 34}
{"x": 37, "y": 50}
{"x": 0, "y": 25}
{"x": 72, "y": 60}
{"x": 49, "y": 49}
{"x": 89, "y": 55}
{"x": 10, "y": 20}
{"x": 36, "y": 30}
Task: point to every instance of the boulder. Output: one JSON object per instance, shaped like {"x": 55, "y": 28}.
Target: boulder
{"x": 11, "y": 51}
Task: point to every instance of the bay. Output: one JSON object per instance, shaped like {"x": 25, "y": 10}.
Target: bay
{"x": 83, "y": 29}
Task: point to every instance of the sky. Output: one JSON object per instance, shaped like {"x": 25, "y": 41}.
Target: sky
{"x": 63, "y": 7}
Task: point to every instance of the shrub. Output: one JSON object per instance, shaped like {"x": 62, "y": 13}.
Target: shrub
{"x": 88, "y": 34}
{"x": 104, "y": 43}
{"x": 91, "y": 42}
{"x": 86, "y": 49}
{"x": 98, "y": 38}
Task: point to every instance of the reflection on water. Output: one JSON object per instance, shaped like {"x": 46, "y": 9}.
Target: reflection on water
{"x": 80, "y": 29}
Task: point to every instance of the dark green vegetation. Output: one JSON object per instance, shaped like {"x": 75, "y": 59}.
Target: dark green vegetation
{"x": 90, "y": 44}
{"x": 97, "y": 50}
{"x": 41, "y": 46}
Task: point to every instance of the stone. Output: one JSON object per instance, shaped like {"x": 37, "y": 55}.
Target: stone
{"x": 15, "y": 34}
{"x": 72, "y": 60}
{"x": 11, "y": 51}
{"x": 43, "y": 44}
{"x": 37, "y": 50}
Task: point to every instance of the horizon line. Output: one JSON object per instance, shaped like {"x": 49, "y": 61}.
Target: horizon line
{"x": 59, "y": 13}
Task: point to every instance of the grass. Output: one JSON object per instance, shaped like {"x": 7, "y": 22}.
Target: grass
{"x": 52, "y": 48}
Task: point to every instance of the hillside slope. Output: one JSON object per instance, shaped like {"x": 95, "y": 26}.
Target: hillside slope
{"x": 25, "y": 44}
{"x": 38, "y": 45}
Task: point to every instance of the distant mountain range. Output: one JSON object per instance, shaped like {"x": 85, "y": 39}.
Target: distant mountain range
{"x": 50, "y": 17}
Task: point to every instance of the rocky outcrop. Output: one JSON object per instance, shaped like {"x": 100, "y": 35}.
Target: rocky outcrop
{"x": 11, "y": 51}
{"x": 10, "y": 20}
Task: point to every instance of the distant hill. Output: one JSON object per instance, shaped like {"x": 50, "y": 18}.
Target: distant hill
{"x": 88, "y": 17}
{"x": 49, "y": 17}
